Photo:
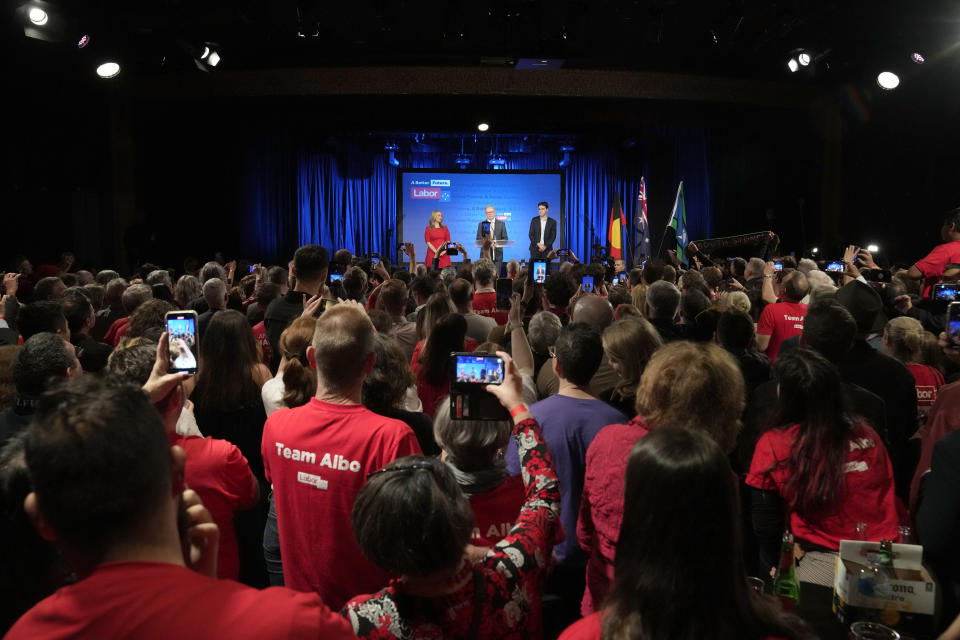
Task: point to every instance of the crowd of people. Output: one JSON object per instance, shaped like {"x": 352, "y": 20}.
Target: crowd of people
{"x": 318, "y": 476}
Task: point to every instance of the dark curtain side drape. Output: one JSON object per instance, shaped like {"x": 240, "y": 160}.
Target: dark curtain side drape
{"x": 297, "y": 193}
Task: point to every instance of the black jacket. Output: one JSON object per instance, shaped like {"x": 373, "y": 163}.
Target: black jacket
{"x": 549, "y": 237}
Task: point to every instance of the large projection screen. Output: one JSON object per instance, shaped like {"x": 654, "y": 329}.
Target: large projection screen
{"x": 462, "y": 196}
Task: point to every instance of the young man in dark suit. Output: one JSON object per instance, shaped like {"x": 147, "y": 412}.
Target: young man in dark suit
{"x": 543, "y": 233}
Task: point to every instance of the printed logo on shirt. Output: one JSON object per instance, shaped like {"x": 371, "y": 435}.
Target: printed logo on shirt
{"x": 925, "y": 395}
{"x": 493, "y": 531}
{"x": 855, "y": 465}
{"x": 862, "y": 443}
{"x": 312, "y": 480}
{"x": 797, "y": 320}
{"x": 336, "y": 462}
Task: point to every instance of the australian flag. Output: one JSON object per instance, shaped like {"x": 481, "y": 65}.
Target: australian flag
{"x": 643, "y": 225}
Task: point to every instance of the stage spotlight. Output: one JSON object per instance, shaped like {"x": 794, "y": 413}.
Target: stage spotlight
{"x": 888, "y": 80}
{"x": 483, "y": 126}
{"x": 565, "y": 161}
{"x": 213, "y": 59}
{"x": 83, "y": 41}
{"x": 205, "y": 52}
{"x": 462, "y": 161}
{"x": 793, "y": 65}
{"x": 916, "y": 57}
{"x": 804, "y": 59}
{"x": 814, "y": 250}
{"x": 872, "y": 248}
{"x": 38, "y": 16}
{"x": 108, "y": 70}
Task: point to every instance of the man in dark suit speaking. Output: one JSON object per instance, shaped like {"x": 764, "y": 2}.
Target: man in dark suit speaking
{"x": 496, "y": 230}
{"x": 543, "y": 233}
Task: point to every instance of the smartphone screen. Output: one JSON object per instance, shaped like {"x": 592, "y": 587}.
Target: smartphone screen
{"x": 452, "y": 249}
{"x": 622, "y": 277}
{"x": 835, "y": 267}
{"x": 479, "y": 370}
{"x": 953, "y": 325}
{"x": 778, "y": 266}
{"x": 336, "y": 271}
{"x": 504, "y": 291}
{"x": 562, "y": 253}
{"x": 485, "y": 227}
{"x": 182, "y": 341}
{"x": 945, "y": 292}
{"x": 253, "y": 268}
{"x": 539, "y": 271}
{"x": 374, "y": 260}
{"x": 587, "y": 284}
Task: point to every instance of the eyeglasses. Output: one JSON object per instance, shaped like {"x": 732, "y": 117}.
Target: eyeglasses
{"x": 425, "y": 464}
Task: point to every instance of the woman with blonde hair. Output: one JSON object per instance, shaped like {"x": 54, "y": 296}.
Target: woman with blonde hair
{"x": 186, "y": 291}
{"x": 629, "y": 343}
{"x": 437, "y": 236}
{"x": 684, "y": 385}
{"x": 905, "y": 339}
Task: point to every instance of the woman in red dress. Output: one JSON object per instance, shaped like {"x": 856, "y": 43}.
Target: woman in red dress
{"x": 437, "y": 236}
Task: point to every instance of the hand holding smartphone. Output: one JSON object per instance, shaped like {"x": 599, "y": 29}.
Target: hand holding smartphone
{"x": 183, "y": 341}
{"x": 953, "y": 325}
{"x": 587, "y": 284}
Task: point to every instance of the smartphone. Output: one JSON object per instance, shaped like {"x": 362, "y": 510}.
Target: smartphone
{"x": 337, "y": 270}
{"x": 327, "y": 303}
{"x": 946, "y": 292}
{"x": 953, "y": 325}
{"x": 877, "y": 275}
{"x": 253, "y": 268}
{"x": 182, "y": 340}
{"x": 471, "y": 369}
{"x": 539, "y": 271}
{"x": 374, "y": 261}
{"x": 563, "y": 253}
{"x": 587, "y": 284}
{"x": 622, "y": 277}
{"x": 778, "y": 266}
{"x": 504, "y": 291}
{"x": 835, "y": 267}
{"x": 452, "y": 249}
{"x": 485, "y": 226}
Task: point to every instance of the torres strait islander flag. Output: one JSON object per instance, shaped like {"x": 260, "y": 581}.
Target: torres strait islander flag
{"x": 616, "y": 225}
{"x": 678, "y": 222}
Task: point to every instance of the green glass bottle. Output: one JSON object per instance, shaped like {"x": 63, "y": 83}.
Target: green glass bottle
{"x": 785, "y": 583}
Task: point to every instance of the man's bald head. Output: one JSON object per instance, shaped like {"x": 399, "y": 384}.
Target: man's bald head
{"x": 794, "y": 286}
{"x": 593, "y": 310}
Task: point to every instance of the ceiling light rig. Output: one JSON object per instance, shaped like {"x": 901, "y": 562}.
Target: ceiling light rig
{"x": 108, "y": 70}
{"x": 917, "y": 58}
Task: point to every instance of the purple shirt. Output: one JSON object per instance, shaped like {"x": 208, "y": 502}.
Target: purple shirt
{"x": 569, "y": 426}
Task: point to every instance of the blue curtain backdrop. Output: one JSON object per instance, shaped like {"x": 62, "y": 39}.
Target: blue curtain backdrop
{"x": 345, "y": 195}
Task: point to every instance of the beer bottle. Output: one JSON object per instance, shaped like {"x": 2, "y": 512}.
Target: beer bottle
{"x": 785, "y": 583}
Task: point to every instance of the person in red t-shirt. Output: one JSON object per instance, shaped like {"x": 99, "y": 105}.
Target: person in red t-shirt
{"x": 318, "y": 456}
{"x": 931, "y": 267}
{"x": 781, "y": 320}
{"x": 669, "y": 582}
{"x": 484, "y": 301}
{"x": 903, "y": 339}
{"x": 820, "y": 468}
{"x": 432, "y": 368}
{"x": 109, "y": 490}
{"x": 470, "y": 448}
{"x": 216, "y": 469}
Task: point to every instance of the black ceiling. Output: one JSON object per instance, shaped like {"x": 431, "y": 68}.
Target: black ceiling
{"x": 850, "y": 39}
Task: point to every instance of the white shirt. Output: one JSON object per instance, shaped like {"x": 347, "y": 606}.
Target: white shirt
{"x": 543, "y": 228}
